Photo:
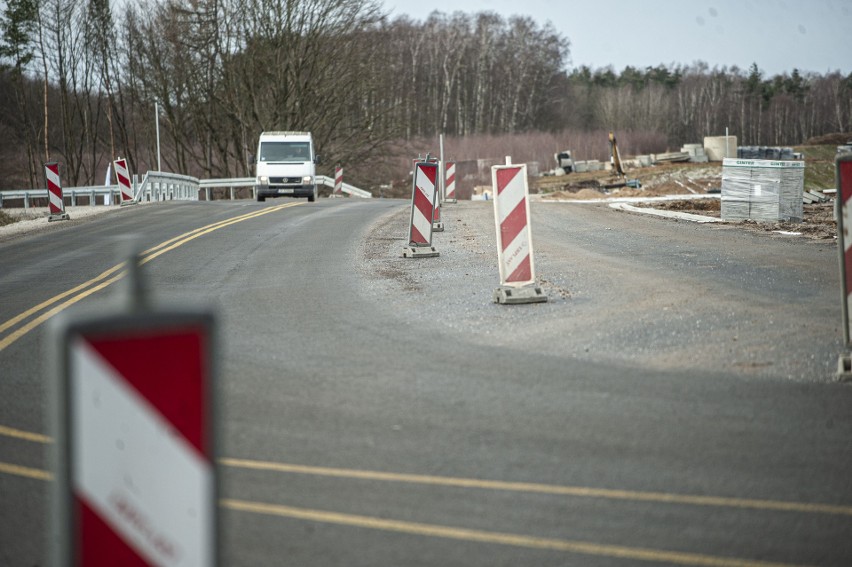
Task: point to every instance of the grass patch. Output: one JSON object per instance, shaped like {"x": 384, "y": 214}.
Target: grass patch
{"x": 819, "y": 166}
{"x": 6, "y": 218}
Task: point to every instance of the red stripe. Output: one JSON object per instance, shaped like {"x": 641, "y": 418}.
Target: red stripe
{"x": 416, "y": 237}
{"x": 99, "y": 545}
{"x": 168, "y": 368}
{"x": 423, "y": 204}
{"x": 431, "y": 171}
{"x": 514, "y": 224}
{"x": 505, "y": 176}
{"x": 845, "y": 181}
{"x": 523, "y": 273}
{"x": 125, "y": 181}
{"x": 437, "y": 217}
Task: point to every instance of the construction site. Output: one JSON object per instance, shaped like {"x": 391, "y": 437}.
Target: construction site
{"x": 696, "y": 174}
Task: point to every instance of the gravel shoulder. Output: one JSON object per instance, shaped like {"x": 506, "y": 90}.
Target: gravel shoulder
{"x": 34, "y": 219}
{"x": 622, "y": 288}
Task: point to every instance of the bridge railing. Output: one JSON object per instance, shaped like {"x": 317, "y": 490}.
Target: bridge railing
{"x": 157, "y": 186}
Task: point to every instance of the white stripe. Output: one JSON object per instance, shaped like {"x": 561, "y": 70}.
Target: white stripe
{"x": 514, "y": 254}
{"x": 56, "y": 201}
{"x": 847, "y": 228}
{"x": 426, "y": 187}
{"x": 121, "y": 168}
{"x": 131, "y": 466}
{"x": 511, "y": 196}
{"x": 52, "y": 177}
{"x": 122, "y": 174}
{"x": 422, "y": 224}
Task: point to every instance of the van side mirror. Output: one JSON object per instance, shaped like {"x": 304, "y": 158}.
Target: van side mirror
{"x": 317, "y": 159}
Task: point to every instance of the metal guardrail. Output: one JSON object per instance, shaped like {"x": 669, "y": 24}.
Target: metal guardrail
{"x": 27, "y": 195}
{"x": 208, "y": 184}
{"x": 159, "y": 186}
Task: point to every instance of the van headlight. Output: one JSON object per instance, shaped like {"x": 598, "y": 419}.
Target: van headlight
{"x": 263, "y": 180}
{"x": 307, "y": 179}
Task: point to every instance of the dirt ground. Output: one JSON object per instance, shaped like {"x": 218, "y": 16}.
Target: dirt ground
{"x": 682, "y": 179}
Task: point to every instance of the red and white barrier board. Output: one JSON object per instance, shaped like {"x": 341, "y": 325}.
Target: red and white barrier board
{"x": 423, "y": 198}
{"x": 451, "y": 181}
{"x": 338, "y": 180}
{"x": 136, "y": 448}
{"x": 123, "y": 176}
{"x": 56, "y": 202}
{"x": 437, "y": 223}
{"x": 512, "y": 213}
{"x": 514, "y": 234}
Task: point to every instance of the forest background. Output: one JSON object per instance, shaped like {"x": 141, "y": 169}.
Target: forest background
{"x": 80, "y": 80}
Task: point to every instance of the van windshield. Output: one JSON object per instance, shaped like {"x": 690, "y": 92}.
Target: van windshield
{"x": 285, "y": 151}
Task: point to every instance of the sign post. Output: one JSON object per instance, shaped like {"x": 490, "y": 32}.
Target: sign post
{"x": 123, "y": 176}
{"x": 338, "y": 181}
{"x": 134, "y": 410}
{"x": 843, "y": 210}
{"x": 451, "y": 182}
{"x": 423, "y": 197}
{"x": 514, "y": 236}
{"x": 56, "y": 201}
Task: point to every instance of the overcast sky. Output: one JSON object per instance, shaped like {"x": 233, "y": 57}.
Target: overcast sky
{"x": 778, "y": 35}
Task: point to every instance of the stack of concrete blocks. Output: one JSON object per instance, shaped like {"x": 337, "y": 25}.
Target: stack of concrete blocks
{"x": 762, "y": 190}
{"x": 765, "y": 152}
{"x": 696, "y": 153}
{"x": 645, "y": 161}
{"x": 718, "y": 148}
{"x": 588, "y": 165}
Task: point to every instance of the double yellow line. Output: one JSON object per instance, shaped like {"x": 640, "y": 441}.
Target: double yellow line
{"x": 35, "y": 316}
{"x": 472, "y": 535}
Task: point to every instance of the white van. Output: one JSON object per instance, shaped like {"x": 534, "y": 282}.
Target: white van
{"x": 286, "y": 166}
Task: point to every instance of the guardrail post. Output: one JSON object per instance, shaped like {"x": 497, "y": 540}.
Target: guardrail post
{"x": 27, "y": 201}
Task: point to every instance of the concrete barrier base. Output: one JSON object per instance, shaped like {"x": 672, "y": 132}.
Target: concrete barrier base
{"x": 437, "y": 227}
{"x": 844, "y": 369}
{"x": 508, "y": 295}
{"x": 420, "y": 252}
{"x": 60, "y": 216}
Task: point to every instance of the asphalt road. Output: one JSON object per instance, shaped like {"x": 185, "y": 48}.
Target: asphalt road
{"x": 672, "y": 403}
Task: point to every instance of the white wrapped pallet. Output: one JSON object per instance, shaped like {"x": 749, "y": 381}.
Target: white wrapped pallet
{"x": 762, "y": 190}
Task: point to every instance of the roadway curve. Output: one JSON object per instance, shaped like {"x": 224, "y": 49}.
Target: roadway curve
{"x": 672, "y": 403}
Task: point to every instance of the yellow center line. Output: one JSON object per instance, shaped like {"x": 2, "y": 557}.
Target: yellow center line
{"x": 18, "y": 318}
{"x": 27, "y": 472}
{"x": 508, "y": 486}
{"x": 12, "y": 337}
{"x": 147, "y": 256}
{"x": 580, "y": 491}
{"x": 514, "y": 540}
{"x": 455, "y": 533}
{"x": 25, "y": 435}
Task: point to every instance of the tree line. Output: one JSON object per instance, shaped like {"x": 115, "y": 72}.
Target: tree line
{"x": 81, "y": 79}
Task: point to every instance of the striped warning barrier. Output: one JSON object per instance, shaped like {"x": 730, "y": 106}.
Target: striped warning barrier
{"x": 843, "y": 214}
{"x": 423, "y": 197}
{"x": 451, "y": 182}
{"x": 123, "y": 176}
{"x": 338, "y": 180}
{"x": 514, "y": 236}
{"x": 136, "y": 478}
{"x": 437, "y": 223}
{"x": 56, "y": 202}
